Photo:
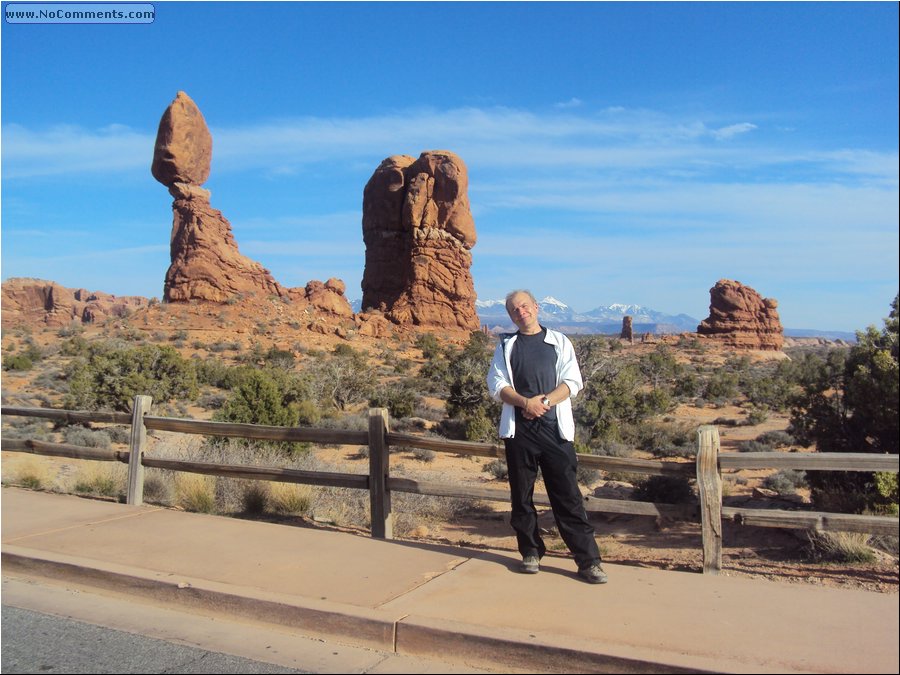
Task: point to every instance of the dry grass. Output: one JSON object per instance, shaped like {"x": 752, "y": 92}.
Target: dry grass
{"x": 195, "y": 492}
{"x": 290, "y": 498}
{"x": 31, "y": 473}
{"x": 106, "y": 479}
{"x": 842, "y": 547}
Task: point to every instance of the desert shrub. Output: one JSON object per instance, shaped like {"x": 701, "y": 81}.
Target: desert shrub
{"x": 399, "y": 398}
{"x": 17, "y": 362}
{"x": 340, "y": 381}
{"x": 663, "y": 439}
{"x": 109, "y": 377}
{"x": 424, "y": 454}
{"x": 52, "y": 379}
{"x": 754, "y": 446}
{"x": 215, "y": 373}
{"x": 257, "y": 398}
{"x": 255, "y": 497}
{"x": 688, "y": 385}
{"x": 843, "y": 547}
{"x": 665, "y": 490}
{"x": 497, "y": 468}
{"x": 157, "y": 489}
{"x": 850, "y": 402}
{"x": 608, "y": 448}
{"x": 308, "y": 413}
{"x": 586, "y": 475}
{"x": 279, "y": 358}
{"x": 722, "y": 386}
{"x": 776, "y": 439}
{"x": 757, "y": 416}
{"x": 430, "y": 346}
{"x": 74, "y": 328}
{"x": 88, "y": 438}
{"x": 786, "y": 481}
{"x": 213, "y": 400}
{"x": 479, "y": 427}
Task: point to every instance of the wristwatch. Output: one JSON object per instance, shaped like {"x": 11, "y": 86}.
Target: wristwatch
{"x": 545, "y": 400}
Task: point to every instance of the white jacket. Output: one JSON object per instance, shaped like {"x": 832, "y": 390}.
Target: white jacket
{"x": 500, "y": 376}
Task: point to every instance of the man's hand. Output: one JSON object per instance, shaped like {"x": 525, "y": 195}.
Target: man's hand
{"x": 535, "y": 407}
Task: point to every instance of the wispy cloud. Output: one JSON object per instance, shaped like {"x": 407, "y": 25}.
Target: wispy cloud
{"x": 571, "y": 103}
{"x": 616, "y": 140}
{"x": 732, "y": 130}
{"x": 68, "y": 149}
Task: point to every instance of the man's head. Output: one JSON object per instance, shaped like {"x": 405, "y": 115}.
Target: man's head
{"x": 523, "y": 310}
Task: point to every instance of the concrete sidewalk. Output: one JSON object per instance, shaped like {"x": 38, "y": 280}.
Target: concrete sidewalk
{"x": 446, "y": 602}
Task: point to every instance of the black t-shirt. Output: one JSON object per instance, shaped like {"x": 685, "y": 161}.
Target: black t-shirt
{"x": 533, "y": 364}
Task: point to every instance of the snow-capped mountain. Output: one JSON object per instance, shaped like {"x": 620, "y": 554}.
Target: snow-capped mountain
{"x": 604, "y": 319}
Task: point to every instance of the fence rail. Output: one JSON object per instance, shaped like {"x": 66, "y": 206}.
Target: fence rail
{"x": 710, "y": 462}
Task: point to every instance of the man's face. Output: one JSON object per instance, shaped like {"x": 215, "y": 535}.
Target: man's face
{"x": 523, "y": 311}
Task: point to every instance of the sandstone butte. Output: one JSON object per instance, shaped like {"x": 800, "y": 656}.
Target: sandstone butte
{"x": 740, "y": 317}
{"x": 38, "y": 302}
{"x": 418, "y": 231}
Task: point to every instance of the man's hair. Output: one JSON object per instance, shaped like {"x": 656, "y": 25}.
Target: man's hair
{"x": 509, "y": 296}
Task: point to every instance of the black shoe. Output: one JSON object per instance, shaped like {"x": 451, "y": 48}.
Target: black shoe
{"x": 593, "y": 574}
{"x": 531, "y": 564}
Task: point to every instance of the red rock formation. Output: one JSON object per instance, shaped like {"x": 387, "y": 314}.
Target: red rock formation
{"x": 418, "y": 232}
{"x": 627, "y": 329}
{"x": 39, "y": 302}
{"x": 329, "y": 297}
{"x": 206, "y": 262}
{"x": 740, "y": 317}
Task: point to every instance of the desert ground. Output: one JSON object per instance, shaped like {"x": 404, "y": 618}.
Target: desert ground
{"x": 782, "y": 555}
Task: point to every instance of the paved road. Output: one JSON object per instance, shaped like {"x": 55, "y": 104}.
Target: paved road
{"x": 51, "y": 627}
{"x": 41, "y": 643}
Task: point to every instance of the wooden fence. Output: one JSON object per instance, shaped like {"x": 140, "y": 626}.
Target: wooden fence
{"x": 707, "y": 470}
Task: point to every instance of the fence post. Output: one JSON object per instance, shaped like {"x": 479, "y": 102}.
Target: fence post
{"x": 709, "y": 484}
{"x": 379, "y": 470}
{"x": 135, "y": 494}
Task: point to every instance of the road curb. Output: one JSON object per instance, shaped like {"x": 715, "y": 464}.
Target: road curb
{"x": 379, "y": 629}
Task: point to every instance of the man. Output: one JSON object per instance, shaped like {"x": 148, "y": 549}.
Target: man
{"x": 535, "y": 374}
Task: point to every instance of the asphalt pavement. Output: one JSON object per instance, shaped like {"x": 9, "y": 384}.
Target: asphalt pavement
{"x": 460, "y": 605}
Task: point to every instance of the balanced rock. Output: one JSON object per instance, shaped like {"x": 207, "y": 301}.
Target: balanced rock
{"x": 741, "y": 317}
{"x": 206, "y": 263}
{"x": 418, "y": 231}
{"x": 183, "y": 151}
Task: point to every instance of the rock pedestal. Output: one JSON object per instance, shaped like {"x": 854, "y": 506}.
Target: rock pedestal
{"x": 206, "y": 263}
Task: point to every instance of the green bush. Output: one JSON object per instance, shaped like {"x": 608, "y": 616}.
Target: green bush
{"x": 17, "y": 362}
{"x": 399, "y": 398}
{"x": 109, "y": 377}
{"x": 850, "y": 402}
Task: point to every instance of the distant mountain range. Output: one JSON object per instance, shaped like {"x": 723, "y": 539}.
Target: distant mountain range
{"x": 607, "y": 320}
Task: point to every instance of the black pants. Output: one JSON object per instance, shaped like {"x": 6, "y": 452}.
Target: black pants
{"x": 538, "y": 444}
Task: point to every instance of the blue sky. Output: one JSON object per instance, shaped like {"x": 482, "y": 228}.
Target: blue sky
{"x": 617, "y": 152}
